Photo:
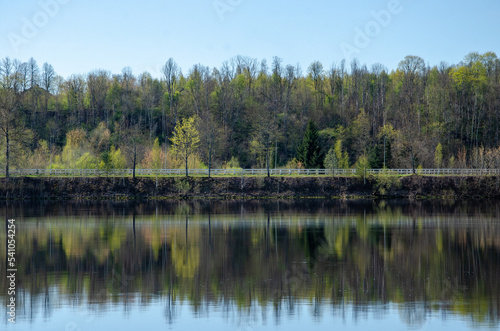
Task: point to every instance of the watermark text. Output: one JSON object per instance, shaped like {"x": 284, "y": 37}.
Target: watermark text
{"x": 31, "y": 26}
{"x": 11, "y": 270}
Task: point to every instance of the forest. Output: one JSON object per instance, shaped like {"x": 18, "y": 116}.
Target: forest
{"x": 252, "y": 114}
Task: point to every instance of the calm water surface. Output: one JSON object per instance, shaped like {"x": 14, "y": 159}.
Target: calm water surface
{"x": 274, "y": 265}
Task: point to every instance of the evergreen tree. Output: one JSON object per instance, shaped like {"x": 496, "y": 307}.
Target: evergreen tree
{"x": 375, "y": 157}
{"x": 309, "y": 151}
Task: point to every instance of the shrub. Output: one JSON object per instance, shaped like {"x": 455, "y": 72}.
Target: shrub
{"x": 385, "y": 182}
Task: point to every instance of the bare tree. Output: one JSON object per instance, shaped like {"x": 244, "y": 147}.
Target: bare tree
{"x": 76, "y": 98}
{"x": 210, "y": 137}
{"x": 316, "y": 74}
{"x": 33, "y": 73}
{"x": 97, "y": 89}
{"x": 23, "y": 76}
{"x": 6, "y": 71}
{"x": 48, "y": 77}
{"x": 11, "y": 128}
{"x": 48, "y": 82}
{"x": 171, "y": 72}
{"x": 132, "y": 144}
{"x": 265, "y": 134}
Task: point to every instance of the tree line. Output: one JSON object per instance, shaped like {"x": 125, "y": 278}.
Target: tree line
{"x": 248, "y": 114}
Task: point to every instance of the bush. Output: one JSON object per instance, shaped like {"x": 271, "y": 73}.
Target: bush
{"x": 232, "y": 164}
{"x": 182, "y": 185}
{"x": 385, "y": 182}
{"x": 294, "y": 164}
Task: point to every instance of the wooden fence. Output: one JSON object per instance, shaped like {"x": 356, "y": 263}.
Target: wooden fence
{"x": 244, "y": 172}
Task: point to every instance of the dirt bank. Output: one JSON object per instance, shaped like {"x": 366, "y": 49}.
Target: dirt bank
{"x": 249, "y": 187}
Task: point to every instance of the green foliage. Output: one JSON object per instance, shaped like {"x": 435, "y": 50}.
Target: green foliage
{"x": 233, "y": 163}
{"x": 257, "y": 115}
{"x": 41, "y": 156}
{"x": 331, "y": 161}
{"x": 182, "y": 185}
{"x": 294, "y": 164}
{"x": 451, "y": 162}
{"x": 360, "y": 132}
{"x": 117, "y": 158}
{"x": 105, "y": 162}
{"x": 112, "y": 159}
{"x": 375, "y": 157}
{"x": 471, "y": 76}
{"x": 341, "y": 155}
{"x": 386, "y": 182}
{"x": 185, "y": 140}
{"x": 309, "y": 151}
{"x": 362, "y": 165}
{"x": 86, "y": 161}
{"x": 76, "y": 154}
{"x": 438, "y": 156}
{"x": 154, "y": 157}
{"x": 332, "y": 134}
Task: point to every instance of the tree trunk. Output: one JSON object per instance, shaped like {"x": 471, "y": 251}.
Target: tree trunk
{"x": 135, "y": 160}
{"x": 7, "y": 156}
{"x": 187, "y": 166}
{"x": 276, "y": 155}
{"x": 209, "y": 160}
{"x": 267, "y": 163}
{"x": 412, "y": 161}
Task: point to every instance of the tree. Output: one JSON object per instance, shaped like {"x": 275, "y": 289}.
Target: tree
{"x": 309, "y": 151}
{"x": 97, "y": 89}
{"x": 185, "y": 140}
{"x": 48, "y": 82}
{"x": 6, "y": 71}
{"x": 117, "y": 159}
{"x": 386, "y": 135}
{"x": 11, "y": 128}
{"x": 210, "y": 137}
{"x": 375, "y": 157}
{"x": 341, "y": 156}
{"x": 265, "y": 133}
{"x": 154, "y": 157}
{"x": 132, "y": 145}
{"x": 438, "y": 156}
{"x": 171, "y": 72}
{"x": 41, "y": 156}
{"x": 77, "y": 153}
{"x": 361, "y": 166}
{"x": 112, "y": 159}
{"x": 260, "y": 112}
{"x": 331, "y": 161}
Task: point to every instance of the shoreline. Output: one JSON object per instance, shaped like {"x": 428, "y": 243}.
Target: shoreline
{"x": 146, "y": 188}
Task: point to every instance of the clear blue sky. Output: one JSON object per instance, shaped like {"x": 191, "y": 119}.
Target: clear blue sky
{"x": 82, "y": 35}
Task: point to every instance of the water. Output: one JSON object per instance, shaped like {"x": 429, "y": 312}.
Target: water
{"x": 273, "y": 265}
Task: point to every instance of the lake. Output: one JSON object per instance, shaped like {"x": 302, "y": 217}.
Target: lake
{"x": 253, "y": 265}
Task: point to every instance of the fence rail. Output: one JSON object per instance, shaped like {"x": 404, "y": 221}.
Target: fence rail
{"x": 243, "y": 172}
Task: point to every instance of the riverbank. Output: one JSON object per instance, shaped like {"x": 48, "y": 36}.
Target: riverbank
{"x": 413, "y": 187}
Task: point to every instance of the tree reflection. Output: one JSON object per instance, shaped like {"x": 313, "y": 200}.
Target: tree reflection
{"x": 422, "y": 258}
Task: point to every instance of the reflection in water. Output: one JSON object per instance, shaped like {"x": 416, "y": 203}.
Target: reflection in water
{"x": 258, "y": 263}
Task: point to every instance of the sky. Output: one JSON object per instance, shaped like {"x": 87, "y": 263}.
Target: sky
{"x": 79, "y": 36}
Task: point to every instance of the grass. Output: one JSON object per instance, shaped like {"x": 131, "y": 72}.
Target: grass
{"x": 239, "y": 176}
{"x": 178, "y": 176}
